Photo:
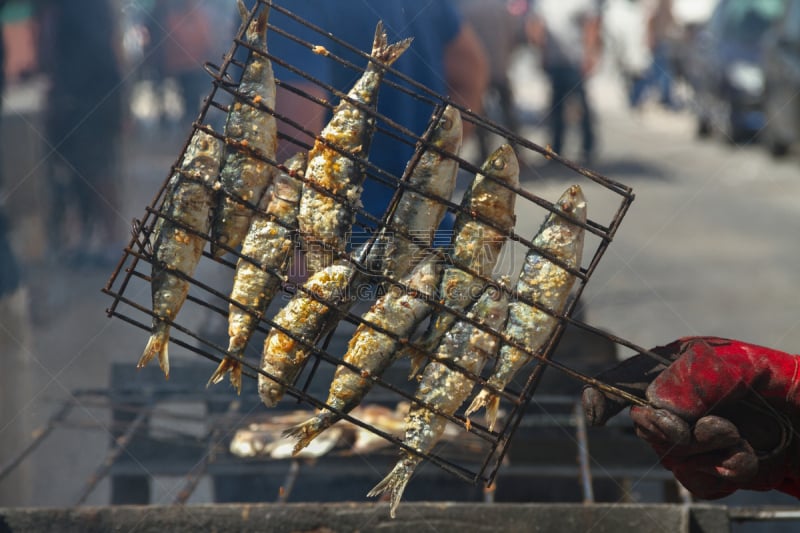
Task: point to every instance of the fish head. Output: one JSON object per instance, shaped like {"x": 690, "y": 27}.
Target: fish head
{"x": 288, "y": 185}
{"x": 573, "y": 203}
{"x": 492, "y": 307}
{"x": 256, "y": 33}
{"x": 203, "y": 155}
{"x": 560, "y": 235}
{"x": 449, "y": 131}
{"x": 495, "y": 198}
{"x": 503, "y": 165}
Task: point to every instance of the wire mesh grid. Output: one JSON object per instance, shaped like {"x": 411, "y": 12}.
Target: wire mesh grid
{"x": 312, "y": 48}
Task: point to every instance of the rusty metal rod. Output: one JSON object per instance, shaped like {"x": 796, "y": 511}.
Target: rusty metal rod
{"x": 583, "y": 454}
{"x": 120, "y": 445}
{"x": 214, "y": 446}
{"x": 39, "y": 435}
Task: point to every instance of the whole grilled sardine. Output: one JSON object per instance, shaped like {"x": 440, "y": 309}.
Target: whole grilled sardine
{"x": 269, "y": 244}
{"x": 445, "y": 389}
{"x": 325, "y": 220}
{"x": 545, "y": 283}
{"x": 419, "y": 215}
{"x": 398, "y": 313}
{"x": 247, "y": 128}
{"x": 308, "y": 319}
{"x": 476, "y": 245}
{"x": 175, "y": 248}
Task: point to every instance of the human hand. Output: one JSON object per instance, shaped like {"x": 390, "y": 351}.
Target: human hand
{"x": 722, "y": 416}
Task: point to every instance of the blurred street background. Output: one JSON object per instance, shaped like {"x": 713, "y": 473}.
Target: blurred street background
{"x": 709, "y": 246}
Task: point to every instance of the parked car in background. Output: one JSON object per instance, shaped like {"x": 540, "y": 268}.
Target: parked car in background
{"x": 726, "y": 69}
{"x": 782, "y": 81}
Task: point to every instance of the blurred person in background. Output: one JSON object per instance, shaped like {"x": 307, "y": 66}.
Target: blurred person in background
{"x": 625, "y": 34}
{"x": 446, "y": 56}
{"x": 83, "y": 121}
{"x": 187, "y": 45}
{"x": 661, "y": 31}
{"x": 14, "y": 343}
{"x": 567, "y": 34}
{"x": 499, "y": 31}
{"x": 182, "y": 39}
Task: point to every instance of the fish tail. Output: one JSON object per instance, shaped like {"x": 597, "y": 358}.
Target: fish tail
{"x": 256, "y": 32}
{"x": 417, "y": 362}
{"x": 308, "y": 431}
{"x": 395, "y": 483}
{"x": 157, "y": 347}
{"x": 243, "y": 12}
{"x": 383, "y": 51}
{"x": 217, "y": 251}
{"x": 489, "y": 400}
{"x": 228, "y": 364}
{"x": 418, "y": 354}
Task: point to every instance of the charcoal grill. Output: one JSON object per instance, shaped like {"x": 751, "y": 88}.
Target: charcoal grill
{"x": 129, "y": 283}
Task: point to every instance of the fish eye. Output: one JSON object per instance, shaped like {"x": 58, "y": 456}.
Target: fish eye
{"x": 567, "y": 206}
{"x": 499, "y": 163}
{"x": 447, "y": 123}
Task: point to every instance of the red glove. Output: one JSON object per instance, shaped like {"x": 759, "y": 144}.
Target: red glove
{"x": 725, "y": 413}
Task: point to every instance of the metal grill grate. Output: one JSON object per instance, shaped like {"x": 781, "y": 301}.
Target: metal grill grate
{"x": 129, "y": 283}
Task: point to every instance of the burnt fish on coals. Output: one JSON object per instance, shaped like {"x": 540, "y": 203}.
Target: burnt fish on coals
{"x": 176, "y": 248}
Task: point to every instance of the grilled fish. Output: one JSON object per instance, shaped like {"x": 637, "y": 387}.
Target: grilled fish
{"x": 308, "y": 319}
{"x": 269, "y": 245}
{"x": 444, "y": 388}
{"x": 419, "y": 214}
{"x": 476, "y": 245}
{"x": 176, "y": 248}
{"x": 248, "y": 131}
{"x": 397, "y": 313}
{"x": 325, "y": 219}
{"x": 545, "y": 283}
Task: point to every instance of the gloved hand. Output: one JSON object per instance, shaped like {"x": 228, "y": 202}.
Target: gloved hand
{"x": 724, "y": 415}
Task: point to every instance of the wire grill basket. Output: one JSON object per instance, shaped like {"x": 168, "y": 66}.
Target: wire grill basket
{"x": 313, "y": 48}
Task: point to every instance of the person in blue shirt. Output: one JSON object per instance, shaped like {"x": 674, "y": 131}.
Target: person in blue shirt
{"x": 446, "y": 56}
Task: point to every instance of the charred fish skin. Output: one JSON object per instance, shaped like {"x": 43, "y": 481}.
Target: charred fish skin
{"x": 545, "y": 283}
{"x": 247, "y": 129}
{"x": 398, "y": 312}
{"x": 308, "y": 319}
{"x": 269, "y": 244}
{"x": 419, "y": 215}
{"x": 476, "y": 244}
{"x": 468, "y": 347}
{"x": 325, "y": 220}
{"x": 176, "y": 249}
